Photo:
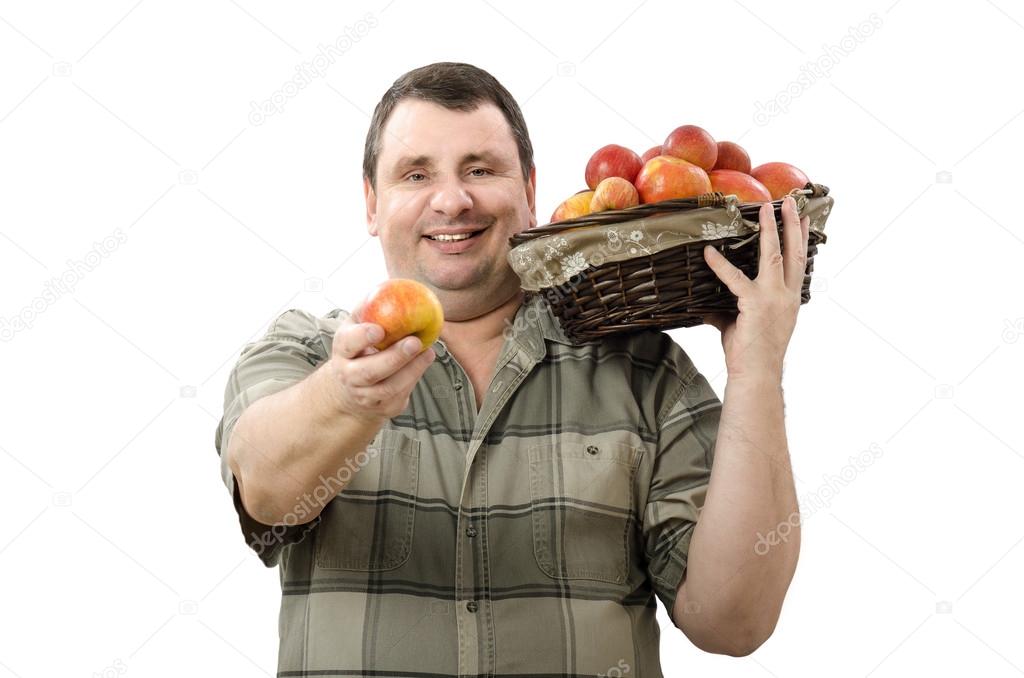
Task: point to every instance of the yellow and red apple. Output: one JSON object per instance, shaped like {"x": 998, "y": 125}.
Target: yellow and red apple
{"x": 693, "y": 144}
{"x": 403, "y": 307}
{"x": 614, "y": 193}
{"x": 612, "y": 161}
{"x": 650, "y": 153}
{"x": 665, "y": 177}
{"x": 779, "y": 178}
{"x": 743, "y": 186}
{"x": 732, "y": 156}
{"x": 576, "y": 206}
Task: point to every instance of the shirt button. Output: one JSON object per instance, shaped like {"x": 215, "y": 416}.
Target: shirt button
{"x": 470, "y": 531}
{"x": 471, "y": 606}
{"x": 457, "y": 386}
{"x": 592, "y": 449}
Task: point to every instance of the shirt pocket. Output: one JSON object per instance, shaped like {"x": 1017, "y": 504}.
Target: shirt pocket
{"x": 581, "y": 498}
{"x": 368, "y": 526}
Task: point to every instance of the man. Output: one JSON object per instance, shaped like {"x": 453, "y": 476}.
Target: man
{"x": 505, "y": 502}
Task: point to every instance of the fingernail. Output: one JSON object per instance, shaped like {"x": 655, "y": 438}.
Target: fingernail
{"x": 374, "y": 334}
{"x": 412, "y": 346}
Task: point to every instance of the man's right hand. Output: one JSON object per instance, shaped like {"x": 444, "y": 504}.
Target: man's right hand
{"x": 369, "y": 384}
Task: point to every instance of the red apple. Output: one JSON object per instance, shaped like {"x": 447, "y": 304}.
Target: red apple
{"x": 743, "y": 186}
{"x": 779, "y": 178}
{"x": 693, "y": 144}
{"x": 665, "y": 177}
{"x": 614, "y": 193}
{"x": 732, "y": 156}
{"x": 576, "y": 206}
{"x": 403, "y": 307}
{"x": 650, "y": 153}
{"x": 612, "y": 161}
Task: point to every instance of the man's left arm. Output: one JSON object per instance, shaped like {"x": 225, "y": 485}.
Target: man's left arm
{"x": 745, "y": 545}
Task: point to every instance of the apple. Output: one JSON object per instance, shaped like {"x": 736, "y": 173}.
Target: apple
{"x": 732, "y": 156}
{"x": 614, "y": 193}
{"x": 665, "y": 177}
{"x": 576, "y": 206}
{"x": 693, "y": 144}
{"x": 612, "y": 161}
{"x": 650, "y": 153}
{"x": 779, "y": 178}
{"x": 743, "y": 186}
{"x": 403, "y": 307}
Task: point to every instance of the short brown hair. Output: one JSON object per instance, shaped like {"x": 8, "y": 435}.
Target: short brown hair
{"x": 456, "y": 86}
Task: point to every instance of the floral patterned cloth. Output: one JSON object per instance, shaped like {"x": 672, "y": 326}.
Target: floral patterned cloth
{"x": 554, "y": 259}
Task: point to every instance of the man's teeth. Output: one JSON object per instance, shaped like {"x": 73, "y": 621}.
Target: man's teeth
{"x": 442, "y": 236}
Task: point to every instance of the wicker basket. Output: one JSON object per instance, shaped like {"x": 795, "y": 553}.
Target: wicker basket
{"x": 648, "y": 281}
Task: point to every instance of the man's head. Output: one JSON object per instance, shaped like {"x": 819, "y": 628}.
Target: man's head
{"x": 448, "y": 151}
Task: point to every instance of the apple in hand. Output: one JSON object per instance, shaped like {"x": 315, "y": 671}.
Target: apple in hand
{"x": 403, "y": 307}
{"x": 743, "y": 186}
{"x": 732, "y": 156}
{"x": 614, "y": 193}
{"x": 779, "y": 178}
{"x": 576, "y": 206}
{"x": 665, "y": 177}
{"x": 692, "y": 144}
{"x": 612, "y": 161}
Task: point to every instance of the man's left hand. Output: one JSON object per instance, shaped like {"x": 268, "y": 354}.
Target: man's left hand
{"x": 755, "y": 340}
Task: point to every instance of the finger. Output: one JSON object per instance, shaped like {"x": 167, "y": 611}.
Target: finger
{"x": 402, "y": 381}
{"x": 372, "y": 369}
{"x": 351, "y": 338}
{"x": 734, "y": 279}
{"x": 770, "y": 263}
{"x": 795, "y": 253}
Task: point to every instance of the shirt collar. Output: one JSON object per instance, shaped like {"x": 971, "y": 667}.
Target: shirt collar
{"x": 532, "y": 324}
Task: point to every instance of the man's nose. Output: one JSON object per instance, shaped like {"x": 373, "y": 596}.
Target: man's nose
{"x": 451, "y": 197}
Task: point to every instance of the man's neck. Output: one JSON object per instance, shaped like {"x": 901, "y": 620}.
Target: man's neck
{"x": 482, "y": 334}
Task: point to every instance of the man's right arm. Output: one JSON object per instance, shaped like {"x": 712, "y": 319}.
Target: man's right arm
{"x": 284, "y": 443}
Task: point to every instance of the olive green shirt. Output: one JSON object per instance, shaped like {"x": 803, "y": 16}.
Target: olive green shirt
{"x": 529, "y": 538}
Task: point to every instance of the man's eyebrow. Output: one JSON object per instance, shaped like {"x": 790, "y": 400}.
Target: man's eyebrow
{"x": 427, "y": 161}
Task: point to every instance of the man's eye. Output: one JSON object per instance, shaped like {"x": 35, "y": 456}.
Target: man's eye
{"x": 480, "y": 169}
{"x": 416, "y": 174}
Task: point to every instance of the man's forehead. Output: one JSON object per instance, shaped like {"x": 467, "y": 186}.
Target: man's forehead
{"x": 422, "y": 132}
{"x": 481, "y": 155}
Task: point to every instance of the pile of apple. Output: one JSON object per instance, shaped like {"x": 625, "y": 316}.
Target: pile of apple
{"x": 689, "y": 163}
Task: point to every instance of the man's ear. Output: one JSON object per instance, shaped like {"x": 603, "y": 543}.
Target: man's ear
{"x": 531, "y": 196}
{"x": 371, "y": 206}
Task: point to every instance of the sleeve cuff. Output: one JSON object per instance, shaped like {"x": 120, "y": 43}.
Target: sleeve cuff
{"x": 667, "y": 570}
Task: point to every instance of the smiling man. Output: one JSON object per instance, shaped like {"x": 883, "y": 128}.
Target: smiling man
{"x": 506, "y": 502}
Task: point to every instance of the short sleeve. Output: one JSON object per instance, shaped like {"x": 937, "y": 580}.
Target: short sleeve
{"x": 687, "y": 430}
{"x": 294, "y": 346}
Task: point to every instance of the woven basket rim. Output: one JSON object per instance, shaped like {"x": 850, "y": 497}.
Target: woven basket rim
{"x": 713, "y": 199}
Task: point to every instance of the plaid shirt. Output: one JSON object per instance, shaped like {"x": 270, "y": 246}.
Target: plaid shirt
{"x": 527, "y": 538}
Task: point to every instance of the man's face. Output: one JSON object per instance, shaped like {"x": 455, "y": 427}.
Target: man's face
{"x": 449, "y": 171}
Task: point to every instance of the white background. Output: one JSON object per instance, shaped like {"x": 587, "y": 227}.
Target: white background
{"x": 119, "y": 548}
